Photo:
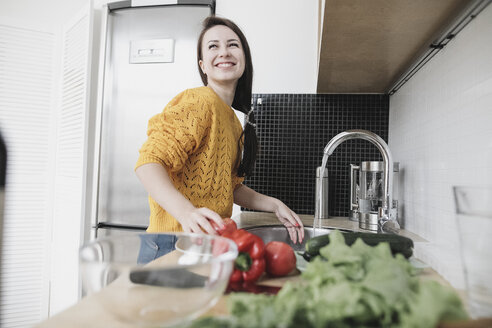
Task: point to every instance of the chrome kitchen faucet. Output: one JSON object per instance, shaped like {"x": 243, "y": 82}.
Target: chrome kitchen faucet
{"x": 387, "y": 220}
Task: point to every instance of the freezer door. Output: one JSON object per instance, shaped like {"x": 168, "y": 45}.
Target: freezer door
{"x": 150, "y": 57}
{"x": 110, "y": 232}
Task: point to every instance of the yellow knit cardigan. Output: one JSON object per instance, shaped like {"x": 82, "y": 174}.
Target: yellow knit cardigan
{"x": 196, "y": 139}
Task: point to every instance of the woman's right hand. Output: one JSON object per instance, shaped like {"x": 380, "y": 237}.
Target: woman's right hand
{"x": 196, "y": 220}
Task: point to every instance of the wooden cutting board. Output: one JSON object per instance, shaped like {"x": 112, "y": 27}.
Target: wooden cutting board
{"x": 220, "y": 309}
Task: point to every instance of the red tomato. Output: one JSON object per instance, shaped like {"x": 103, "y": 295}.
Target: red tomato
{"x": 280, "y": 258}
{"x": 229, "y": 226}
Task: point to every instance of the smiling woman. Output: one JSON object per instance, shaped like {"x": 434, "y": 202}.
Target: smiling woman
{"x": 197, "y": 154}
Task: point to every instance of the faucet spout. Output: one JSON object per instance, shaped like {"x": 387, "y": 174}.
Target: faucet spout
{"x": 387, "y": 162}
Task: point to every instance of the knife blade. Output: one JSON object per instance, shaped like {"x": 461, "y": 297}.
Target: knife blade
{"x": 175, "y": 278}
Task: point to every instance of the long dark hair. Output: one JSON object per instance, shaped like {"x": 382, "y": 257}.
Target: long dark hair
{"x": 242, "y": 96}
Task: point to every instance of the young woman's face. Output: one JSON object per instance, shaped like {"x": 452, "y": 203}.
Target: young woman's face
{"x": 222, "y": 55}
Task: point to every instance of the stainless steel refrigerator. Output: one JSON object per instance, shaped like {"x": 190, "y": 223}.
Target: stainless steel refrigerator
{"x": 148, "y": 55}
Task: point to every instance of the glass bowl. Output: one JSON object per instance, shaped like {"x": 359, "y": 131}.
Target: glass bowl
{"x": 169, "y": 290}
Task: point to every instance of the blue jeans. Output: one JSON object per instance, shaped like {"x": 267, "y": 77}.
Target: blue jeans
{"x": 153, "y": 246}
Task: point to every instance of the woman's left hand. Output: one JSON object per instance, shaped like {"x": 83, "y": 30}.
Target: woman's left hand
{"x": 291, "y": 221}
{"x": 247, "y": 197}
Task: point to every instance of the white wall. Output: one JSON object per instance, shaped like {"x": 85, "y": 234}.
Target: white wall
{"x": 440, "y": 131}
{"x": 283, "y": 37}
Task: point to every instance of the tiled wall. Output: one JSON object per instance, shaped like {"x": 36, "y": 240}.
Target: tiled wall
{"x": 441, "y": 132}
{"x": 293, "y": 130}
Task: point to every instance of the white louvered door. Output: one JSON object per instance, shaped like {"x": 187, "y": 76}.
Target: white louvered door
{"x": 43, "y": 119}
{"x": 71, "y": 153}
{"x": 26, "y": 112}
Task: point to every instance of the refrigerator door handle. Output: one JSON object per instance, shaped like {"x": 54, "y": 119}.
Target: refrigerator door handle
{"x": 146, "y": 3}
{"x": 120, "y": 226}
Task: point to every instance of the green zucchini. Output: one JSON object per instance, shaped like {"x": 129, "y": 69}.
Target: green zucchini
{"x": 397, "y": 243}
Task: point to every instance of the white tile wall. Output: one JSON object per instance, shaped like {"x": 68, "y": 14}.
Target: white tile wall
{"x": 440, "y": 131}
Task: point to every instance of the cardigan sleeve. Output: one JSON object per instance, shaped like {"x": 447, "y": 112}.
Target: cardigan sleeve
{"x": 236, "y": 181}
{"x": 175, "y": 133}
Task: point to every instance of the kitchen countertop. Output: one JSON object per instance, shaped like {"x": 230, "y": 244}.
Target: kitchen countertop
{"x": 88, "y": 313}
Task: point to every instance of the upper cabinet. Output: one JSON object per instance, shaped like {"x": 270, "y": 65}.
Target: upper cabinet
{"x": 367, "y": 45}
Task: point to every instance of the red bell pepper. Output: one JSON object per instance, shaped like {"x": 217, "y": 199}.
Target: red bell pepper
{"x": 249, "y": 264}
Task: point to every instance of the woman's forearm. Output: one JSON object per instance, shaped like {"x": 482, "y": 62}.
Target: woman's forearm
{"x": 248, "y": 198}
{"x": 156, "y": 181}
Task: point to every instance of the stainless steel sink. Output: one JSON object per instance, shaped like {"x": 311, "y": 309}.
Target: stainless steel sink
{"x": 279, "y": 233}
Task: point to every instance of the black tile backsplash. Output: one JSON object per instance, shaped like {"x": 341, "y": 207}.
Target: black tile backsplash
{"x": 293, "y": 130}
